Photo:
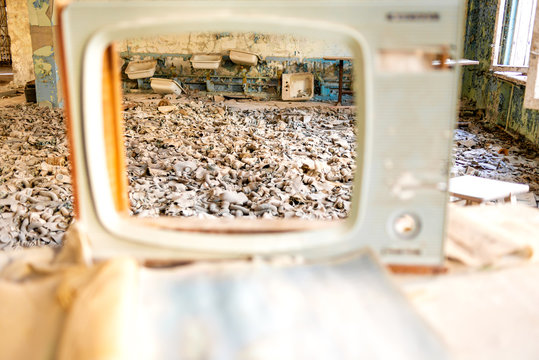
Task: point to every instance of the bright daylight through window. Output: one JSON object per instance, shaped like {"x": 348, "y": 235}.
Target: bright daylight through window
{"x": 514, "y": 34}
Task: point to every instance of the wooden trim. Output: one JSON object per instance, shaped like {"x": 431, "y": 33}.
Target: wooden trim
{"x": 520, "y": 69}
{"x": 113, "y": 122}
{"x": 497, "y": 34}
{"x": 531, "y": 96}
{"x": 417, "y": 269}
{"x": 61, "y": 62}
{"x": 114, "y": 130}
{"x": 513, "y": 79}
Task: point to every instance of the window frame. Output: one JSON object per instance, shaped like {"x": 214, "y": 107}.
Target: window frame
{"x": 531, "y": 97}
{"x": 496, "y": 46}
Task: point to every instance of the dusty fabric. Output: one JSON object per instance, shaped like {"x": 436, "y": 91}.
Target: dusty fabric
{"x": 480, "y": 236}
{"x": 55, "y": 306}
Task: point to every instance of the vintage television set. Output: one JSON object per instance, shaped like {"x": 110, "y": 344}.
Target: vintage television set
{"x": 405, "y": 98}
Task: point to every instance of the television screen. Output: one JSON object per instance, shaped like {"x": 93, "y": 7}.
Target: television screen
{"x": 212, "y": 131}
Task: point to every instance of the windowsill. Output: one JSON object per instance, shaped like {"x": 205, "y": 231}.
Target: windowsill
{"x": 511, "y": 76}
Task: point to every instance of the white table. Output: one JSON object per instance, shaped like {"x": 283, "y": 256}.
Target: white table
{"x": 474, "y": 189}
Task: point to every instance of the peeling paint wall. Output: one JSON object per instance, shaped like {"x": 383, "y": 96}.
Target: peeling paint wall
{"x": 41, "y": 15}
{"x": 502, "y": 100}
{"x": 272, "y": 45}
{"x": 278, "y": 54}
{"x": 21, "y": 42}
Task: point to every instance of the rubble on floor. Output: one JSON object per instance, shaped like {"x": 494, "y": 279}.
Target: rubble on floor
{"x": 208, "y": 160}
{"x": 199, "y": 158}
{"x": 35, "y": 186}
{"x": 493, "y": 154}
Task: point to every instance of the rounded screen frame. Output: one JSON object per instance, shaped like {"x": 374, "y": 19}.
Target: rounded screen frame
{"x": 119, "y": 226}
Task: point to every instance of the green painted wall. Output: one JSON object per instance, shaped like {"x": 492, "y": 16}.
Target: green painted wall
{"x": 278, "y": 54}
{"x": 486, "y": 91}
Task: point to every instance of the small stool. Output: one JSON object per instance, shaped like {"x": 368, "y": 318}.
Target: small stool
{"x": 474, "y": 189}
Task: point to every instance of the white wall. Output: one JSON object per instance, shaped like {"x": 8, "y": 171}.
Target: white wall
{"x": 263, "y": 44}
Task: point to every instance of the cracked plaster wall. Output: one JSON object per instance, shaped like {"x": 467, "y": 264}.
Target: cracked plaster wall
{"x": 285, "y": 52}
{"x": 273, "y": 45}
{"x": 279, "y": 54}
{"x": 486, "y": 91}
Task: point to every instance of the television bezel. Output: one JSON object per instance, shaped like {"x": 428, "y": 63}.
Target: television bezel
{"x": 112, "y": 232}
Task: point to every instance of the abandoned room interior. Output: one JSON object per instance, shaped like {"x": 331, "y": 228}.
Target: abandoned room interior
{"x": 237, "y": 173}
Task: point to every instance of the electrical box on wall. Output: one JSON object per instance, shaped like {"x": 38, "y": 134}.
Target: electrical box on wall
{"x": 405, "y": 99}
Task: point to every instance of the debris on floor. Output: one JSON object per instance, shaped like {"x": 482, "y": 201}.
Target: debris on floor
{"x": 202, "y": 159}
{"x": 35, "y": 186}
{"x": 504, "y": 240}
{"x": 46, "y": 296}
{"x": 493, "y": 154}
{"x": 229, "y": 158}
